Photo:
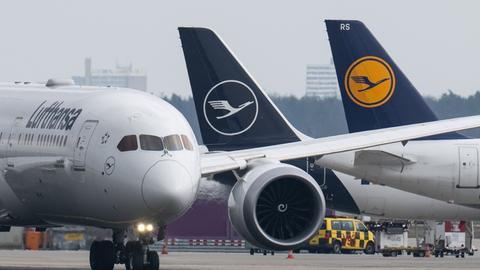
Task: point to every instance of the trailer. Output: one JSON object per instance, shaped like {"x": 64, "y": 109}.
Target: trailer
{"x": 391, "y": 238}
{"x": 451, "y": 239}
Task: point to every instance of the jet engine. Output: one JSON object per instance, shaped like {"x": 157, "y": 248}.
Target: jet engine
{"x": 276, "y": 206}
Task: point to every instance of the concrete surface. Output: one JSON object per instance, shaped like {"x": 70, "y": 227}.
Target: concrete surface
{"x": 19, "y": 260}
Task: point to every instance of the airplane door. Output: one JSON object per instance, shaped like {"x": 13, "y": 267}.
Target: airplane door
{"x": 468, "y": 167}
{"x": 12, "y": 137}
{"x": 83, "y": 139}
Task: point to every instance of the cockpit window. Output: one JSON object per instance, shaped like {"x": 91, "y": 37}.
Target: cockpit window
{"x": 128, "y": 143}
{"x": 173, "y": 143}
{"x": 186, "y": 143}
{"x": 151, "y": 143}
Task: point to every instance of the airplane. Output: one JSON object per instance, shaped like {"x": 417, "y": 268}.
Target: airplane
{"x": 209, "y": 61}
{"x": 116, "y": 158}
{"x": 444, "y": 167}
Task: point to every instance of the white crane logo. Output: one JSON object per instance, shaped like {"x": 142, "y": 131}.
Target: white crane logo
{"x": 225, "y": 105}
{"x": 227, "y": 116}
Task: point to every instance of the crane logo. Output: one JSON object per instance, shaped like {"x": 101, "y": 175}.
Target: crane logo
{"x": 230, "y": 107}
{"x": 225, "y": 105}
{"x": 370, "y": 82}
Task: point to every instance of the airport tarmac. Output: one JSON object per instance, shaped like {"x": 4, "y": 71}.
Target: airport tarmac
{"x": 28, "y": 260}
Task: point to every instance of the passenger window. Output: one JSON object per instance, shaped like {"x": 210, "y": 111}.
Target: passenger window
{"x": 347, "y": 225}
{"x": 336, "y": 225}
{"x": 173, "y": 143}
{"x": 186, "y": 143}
{"x": 151, "y": 143}
{"x": 128, "y": 143}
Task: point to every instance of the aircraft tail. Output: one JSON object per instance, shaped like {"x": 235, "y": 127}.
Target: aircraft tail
{"x": 375, "y": 92}
{"x": 232, "y": 110}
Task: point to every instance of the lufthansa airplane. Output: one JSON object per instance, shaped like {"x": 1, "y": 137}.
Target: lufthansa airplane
{"x": 445, "y": 167}
{"x": 114, "y": 158}
{"x": 342, "y": 192}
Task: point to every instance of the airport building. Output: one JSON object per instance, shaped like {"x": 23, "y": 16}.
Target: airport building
{"x": 121, "y": 76}
{"x": 321, "y": 81}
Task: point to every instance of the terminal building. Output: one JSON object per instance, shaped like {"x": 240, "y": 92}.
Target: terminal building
{"x": 321, "y": 81}
{"x": 121, "y": 76}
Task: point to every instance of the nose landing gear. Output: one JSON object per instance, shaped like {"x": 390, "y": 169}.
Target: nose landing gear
{"x": 139, "y": 257}
{"x": 135, "y": 254}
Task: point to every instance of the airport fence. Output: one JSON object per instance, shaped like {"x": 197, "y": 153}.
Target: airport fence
{"x": 217, "y": 245}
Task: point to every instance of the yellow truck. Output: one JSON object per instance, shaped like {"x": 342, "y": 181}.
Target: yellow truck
{"x": 339, "y": 235}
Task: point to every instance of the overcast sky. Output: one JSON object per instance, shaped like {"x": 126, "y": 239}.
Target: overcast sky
{"x": 436, "y": 43}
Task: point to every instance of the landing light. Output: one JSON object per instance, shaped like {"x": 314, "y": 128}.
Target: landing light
{"x": 141, "y": 227}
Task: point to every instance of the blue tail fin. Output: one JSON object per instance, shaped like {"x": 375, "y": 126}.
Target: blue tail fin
{"x": 375, "y": 92}
{"x": 232, "y": 110}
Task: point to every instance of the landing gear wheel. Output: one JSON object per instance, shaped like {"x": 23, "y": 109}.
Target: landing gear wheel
{"x": 133, "y": 262}
{"x": 102, "y": 255}
{"x": 136, "y": 261}
{"x": 153, "y": 260}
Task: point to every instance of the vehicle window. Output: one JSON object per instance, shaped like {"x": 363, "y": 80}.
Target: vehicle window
{"x": 361, "y": 227}
{"x": 128, "y": 143}
{"x": 186, "y": 143}
{"x": 324, "y": 226}
{"x": 151, "y": 143}
{"x": 173, "y": 143}
{"x": 347, "y": 225}
{"x": 336, "y": 225}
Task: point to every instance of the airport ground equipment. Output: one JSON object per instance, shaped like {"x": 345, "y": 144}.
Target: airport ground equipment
{"x": 253, "y": 249}
{"x": 451, "y": 238}
{"x": 339, "y": 235}
{"x": 13, "y": 239}
{"x": 66, "y": 238}
{"x": 391, "y": 237}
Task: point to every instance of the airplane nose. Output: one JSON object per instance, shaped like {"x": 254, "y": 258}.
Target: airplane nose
{"x": 168, "y": 188}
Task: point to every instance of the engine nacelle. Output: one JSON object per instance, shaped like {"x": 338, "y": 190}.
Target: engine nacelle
{"x": 276, "y": 206}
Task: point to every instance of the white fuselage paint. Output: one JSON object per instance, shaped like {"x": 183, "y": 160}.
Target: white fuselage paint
{"x": 387, "y": 202}
{"x": 45, "y": 180}
{"x": 446, "y": 170}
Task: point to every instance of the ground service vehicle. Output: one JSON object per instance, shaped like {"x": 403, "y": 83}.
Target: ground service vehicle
{"x": 342, "y": 234}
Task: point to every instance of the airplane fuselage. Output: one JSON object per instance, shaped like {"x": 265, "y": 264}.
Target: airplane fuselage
{"x": 91, "y": 156}
{"x": 446, "y": 170}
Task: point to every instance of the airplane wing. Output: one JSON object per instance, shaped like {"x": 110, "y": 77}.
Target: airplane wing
{"x": 212, "y": 163}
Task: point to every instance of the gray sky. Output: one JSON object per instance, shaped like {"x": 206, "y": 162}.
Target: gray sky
{"x": 436, "y": 43}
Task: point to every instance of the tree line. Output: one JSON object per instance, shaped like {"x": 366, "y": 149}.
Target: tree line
{"x": 325, "y": 117}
